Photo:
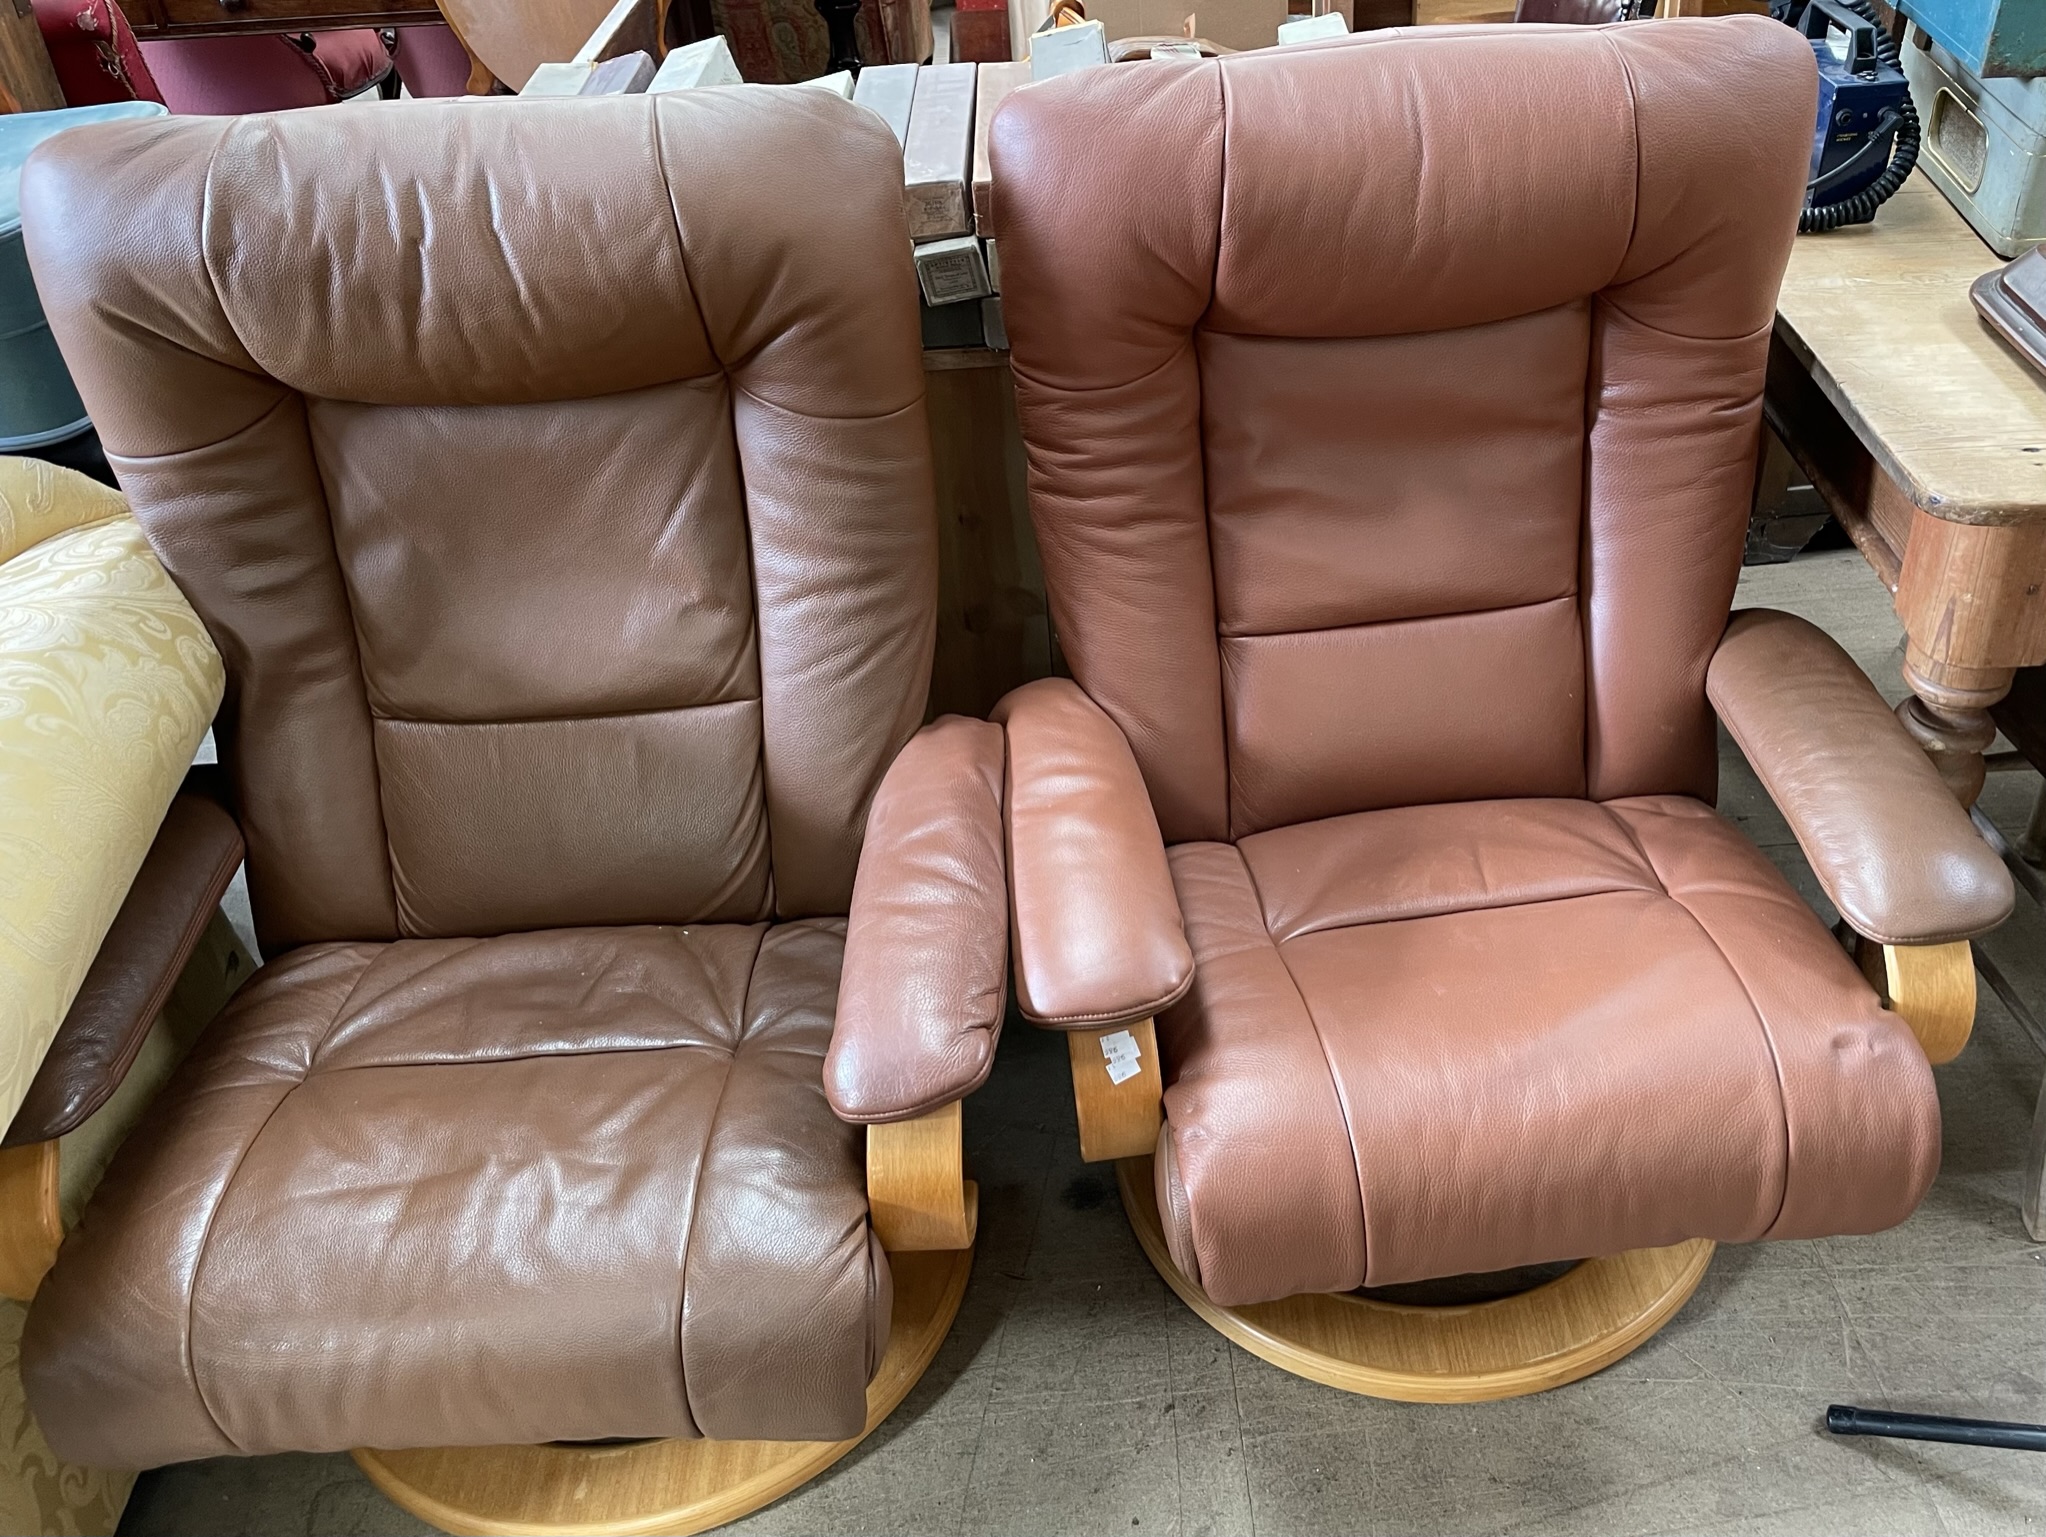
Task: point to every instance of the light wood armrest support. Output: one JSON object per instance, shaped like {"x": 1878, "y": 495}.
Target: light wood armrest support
{"x": 1931, "y": 987}
{"x": 1117, "y": 1120}
{"x": 30, "y": 1227}
{"x": 917, "y": 1191}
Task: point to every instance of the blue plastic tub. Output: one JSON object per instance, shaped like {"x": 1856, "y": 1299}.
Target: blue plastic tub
{"x": 39, "y": 405}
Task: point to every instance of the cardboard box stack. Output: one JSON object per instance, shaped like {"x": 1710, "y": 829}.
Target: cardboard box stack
{"x": 942, "y": 116}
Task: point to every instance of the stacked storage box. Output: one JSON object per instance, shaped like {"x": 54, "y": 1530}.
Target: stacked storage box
{"x": 940, "y": 113}
{"x": 1984, "y": 141}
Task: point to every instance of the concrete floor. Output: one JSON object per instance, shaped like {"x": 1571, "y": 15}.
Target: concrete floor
{"x": 1076, "y": 1394}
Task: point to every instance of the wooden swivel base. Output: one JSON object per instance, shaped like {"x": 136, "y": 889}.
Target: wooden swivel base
{"x": 664, "y": 1486}
{"x": 1567, "y": 1328}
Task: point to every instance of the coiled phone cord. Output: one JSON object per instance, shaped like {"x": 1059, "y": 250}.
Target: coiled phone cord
{"x": 1820, "y": 215}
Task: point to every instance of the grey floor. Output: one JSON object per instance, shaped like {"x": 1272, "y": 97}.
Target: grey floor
{"x": 1075, "y": 1394}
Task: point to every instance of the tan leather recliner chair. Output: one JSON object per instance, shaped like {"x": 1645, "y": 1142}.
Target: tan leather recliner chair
{"x": 554, "y": 480}
{"x": 1391, "y": 409}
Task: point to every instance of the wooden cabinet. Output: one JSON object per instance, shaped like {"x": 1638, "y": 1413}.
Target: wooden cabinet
{"x": 198, "y": 18}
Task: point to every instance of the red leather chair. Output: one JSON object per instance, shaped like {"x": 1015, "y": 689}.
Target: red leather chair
{"x": 577, "y": 617}
{"x": 1391, "y": 409}
{"x": 432, "y": 61}
{"x": 1581, "y": 13}
{"x": 97, "y": 59}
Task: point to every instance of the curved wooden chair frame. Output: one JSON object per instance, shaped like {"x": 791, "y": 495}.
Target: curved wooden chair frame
{"x": 925, "y": 1213}
{"x": 1579, "y": 1323}
{"x": 1557, "y": 1332}
{"x": 1931, "y": 987}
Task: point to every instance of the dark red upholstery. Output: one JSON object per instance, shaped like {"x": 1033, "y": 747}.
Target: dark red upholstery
{"x": 98, "y": 59}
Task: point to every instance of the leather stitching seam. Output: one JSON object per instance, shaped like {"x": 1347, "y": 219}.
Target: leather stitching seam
{"x": 1634, "y": 126}
{"x": 226, "y": 1185}
{"x": 206, "y": 259}
{"x": 1114, "y": 1016}
{"x": 1655, "y": 890}
{"x": 770, "y": 899}
{"x": 710, "y": 1133}
{"x": 822, "y": 416}
{"x": 144, "y": 461}
{"x": 1571, "y": 597}
{"x": 1186, "y": 344}
{"x": 1819, "y": 865}
{"x": 563, "y": 720}
{"x": 1761, "y": 1025}
{"x": 1328, "y": 1062}
{"x": 215, "y": 887}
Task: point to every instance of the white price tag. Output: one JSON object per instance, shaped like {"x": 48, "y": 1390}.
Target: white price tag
{"x": 1125, "y": 1056}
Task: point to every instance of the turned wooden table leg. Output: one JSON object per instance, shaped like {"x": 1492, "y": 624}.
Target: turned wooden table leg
{"x": 1948, "y": 715}
{"x": 1972, "y": 597}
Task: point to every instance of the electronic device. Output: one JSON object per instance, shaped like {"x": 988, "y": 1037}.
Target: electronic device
{"x": 1865, "y": 139}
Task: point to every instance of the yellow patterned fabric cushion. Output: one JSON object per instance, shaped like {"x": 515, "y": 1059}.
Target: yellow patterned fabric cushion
{"x": 39, "y": 1494}
{"x": 107, "y": 684}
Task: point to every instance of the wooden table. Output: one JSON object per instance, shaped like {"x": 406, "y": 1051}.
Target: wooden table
{"x": 994, "y": 626}
{"x": 1927, "y": 439}
{"x": 153, "y": 19}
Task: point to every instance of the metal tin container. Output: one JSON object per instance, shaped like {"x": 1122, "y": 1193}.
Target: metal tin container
{"x": 1991, "y": 38}
{"x": 1984, "y": 145}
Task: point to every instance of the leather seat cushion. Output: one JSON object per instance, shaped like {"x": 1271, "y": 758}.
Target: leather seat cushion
{"x": 1457, "y": 1038}
{"x": 561, "y": 1185}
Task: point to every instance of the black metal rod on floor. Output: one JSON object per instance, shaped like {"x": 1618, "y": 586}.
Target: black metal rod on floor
{"x": 1846, "y": 1420}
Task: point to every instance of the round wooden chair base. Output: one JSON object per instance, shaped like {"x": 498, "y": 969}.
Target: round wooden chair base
{"x": 1564, "y": 1329}
{"x": 663, "y": 1486}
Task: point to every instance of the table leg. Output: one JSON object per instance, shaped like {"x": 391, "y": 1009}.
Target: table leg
{"x": 1948, "y": 715}
{"x": 1972, "y": 597}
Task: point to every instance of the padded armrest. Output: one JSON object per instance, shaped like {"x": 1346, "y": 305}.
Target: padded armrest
{"x": 921, "y": 995}
{"x": 108, "y": 682}
{"x": 1097, "y": 927}
{"x": 175, "y": 893}
{"x": 1885, "y": 836}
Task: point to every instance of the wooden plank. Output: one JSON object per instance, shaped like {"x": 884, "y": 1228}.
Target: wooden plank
{"x": 994, "y": 630}
{"x": 995, "y": 82}
{"x": 937, "y": 156}
{"x": 27, "y": 79}
{"x": 1868, "y": 505}
{"x": 155, "y": 19}
{"x": 1879, "y": 315}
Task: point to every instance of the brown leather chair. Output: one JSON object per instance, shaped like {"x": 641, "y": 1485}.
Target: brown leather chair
{"x": 578, "y": 618}
{"x": 1390, "y": 458}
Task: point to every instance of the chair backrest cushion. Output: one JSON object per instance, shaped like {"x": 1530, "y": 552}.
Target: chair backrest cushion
{"x": 552, "y": 475}
{"x": 1391, "y": 404}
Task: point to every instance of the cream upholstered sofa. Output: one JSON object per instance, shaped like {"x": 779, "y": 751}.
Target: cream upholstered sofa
{"x": 107, "y": 685}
